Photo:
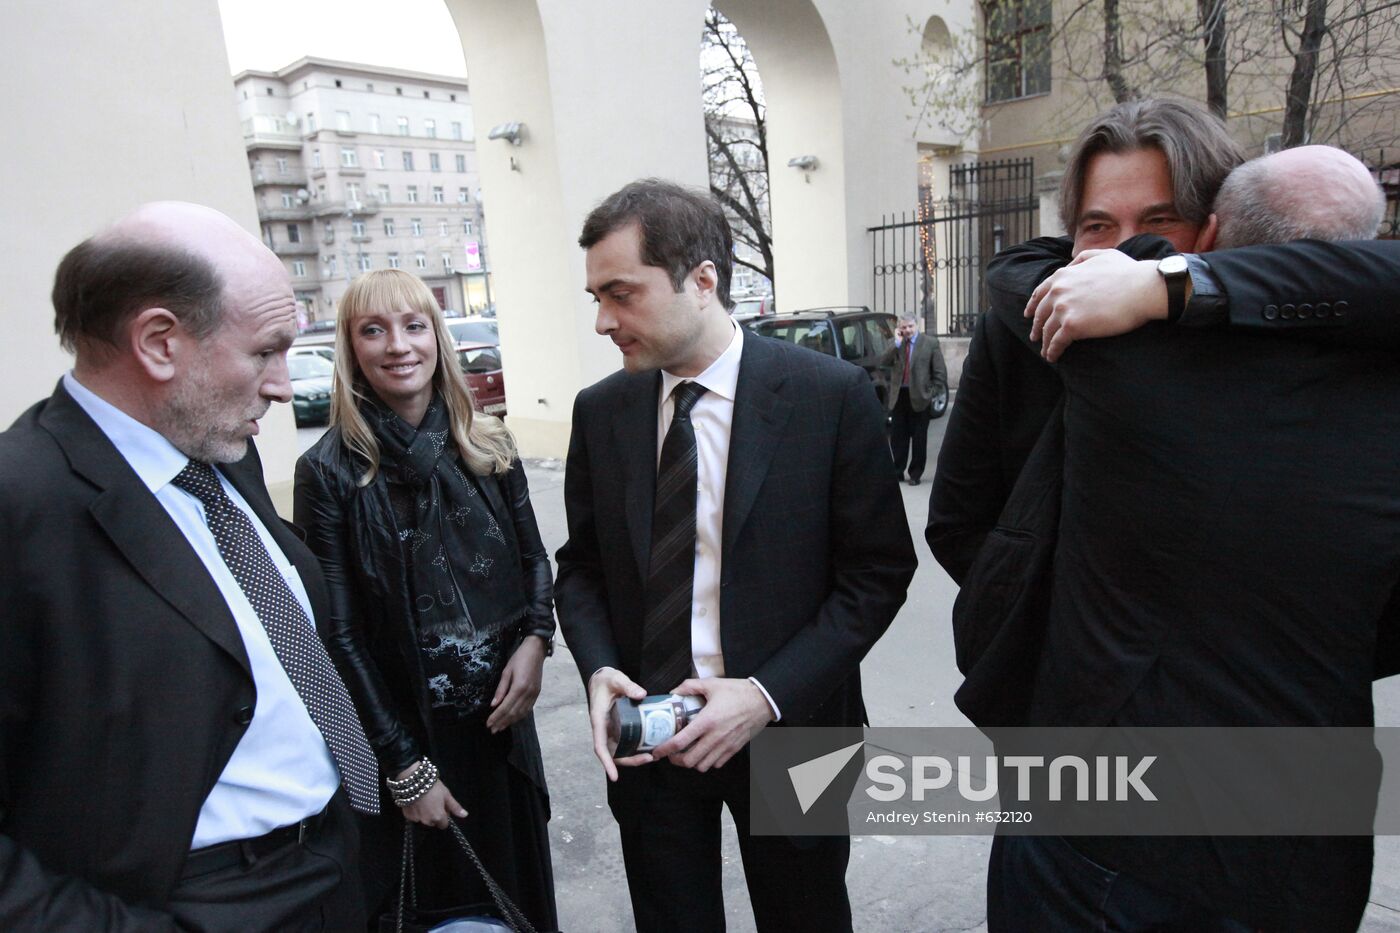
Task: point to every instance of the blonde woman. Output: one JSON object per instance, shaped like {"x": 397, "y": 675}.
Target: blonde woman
{"x": 442, "y": 603}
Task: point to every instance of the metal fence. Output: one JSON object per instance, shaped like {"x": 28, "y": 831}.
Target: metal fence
{"x": 930, "y": 261}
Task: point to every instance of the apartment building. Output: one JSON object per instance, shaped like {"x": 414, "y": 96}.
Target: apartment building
{"x": 355, "y": 168}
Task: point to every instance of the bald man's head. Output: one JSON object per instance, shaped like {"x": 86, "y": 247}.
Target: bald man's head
{"x": 170, "y": 254}
{"x": 1311, "y": 192}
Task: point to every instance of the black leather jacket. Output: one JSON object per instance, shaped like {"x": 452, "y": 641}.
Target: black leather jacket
{"x": 371, "y": 637}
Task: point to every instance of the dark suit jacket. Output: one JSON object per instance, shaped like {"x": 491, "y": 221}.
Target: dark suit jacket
{"x": 1007, "y": 391}
{"x": 1228, "y": 544}
{"x": 816, "y": 548}
{"x": 927, "y": 372}
{"x": 124, "y": 685}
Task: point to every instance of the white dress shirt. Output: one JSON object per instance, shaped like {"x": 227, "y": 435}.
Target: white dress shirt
{"x": 712, "y": 418}
{"x": 281, "y": 771}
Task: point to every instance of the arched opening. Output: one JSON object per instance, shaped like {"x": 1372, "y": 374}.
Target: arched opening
{"x": 736, "y": 141}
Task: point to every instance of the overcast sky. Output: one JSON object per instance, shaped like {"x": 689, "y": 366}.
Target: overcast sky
{"x": 269, "y": 34}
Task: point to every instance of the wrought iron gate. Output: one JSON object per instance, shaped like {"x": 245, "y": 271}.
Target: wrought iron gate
{"x": 930, "y": 263}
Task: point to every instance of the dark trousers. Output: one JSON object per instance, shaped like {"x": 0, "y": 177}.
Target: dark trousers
{"x": 669, "y": 820}
{"x": 909, "y": 429}
{"x": 1043, "y": 883}
{"x": 300, "y": 888}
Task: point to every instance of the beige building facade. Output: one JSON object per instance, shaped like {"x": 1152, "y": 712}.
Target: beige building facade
{"x": 356, "y": 168}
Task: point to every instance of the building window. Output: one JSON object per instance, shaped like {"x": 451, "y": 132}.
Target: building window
{"x": 438, "y": 197}
{"x": 403, "y": 124}
{"x": 299, "y": 268}
{"x": 425, "y": 95}
{"x": 352, "y": 192}
{"x": 373, "y": 121}
{"x": 337, "y": 82}
{"x": 379, "y": 158}
{"x": 466, "y": 226}
{"x": 349, "y": 158}
{"x": 357, "y": 228}
{"x": 420, "y": 260}
{"x": 452, "y": 97}
{"x": 407, "y": 161}
{"x": 310, "y": 121}
{"x": 430, "y": 129}
{"x": 398, "y": 91}
{"x": 1018, "y": 48}
{"x": 461, "y": 163}
{"x": 269, "y": 92}
{"x": 330, "y": 232}
{"x": 456, "y": 129}
{"x": 417, "y": 225}
{"x": 281, "y": 166}
{"x": 362, "y": 261}
{"x": 320, "y": 192}
{"x": 293, "y": 233}
{"x": 388, "y": 226}
{"x": 442, "y": 228}
{"x": 267, "y": 237}
{"x": 463, "y": 196}
{"x": 383, "y": 194}
{"x": 315, "y": 158}
{"x": 434, "y": 163}
{"x": 287, "y": 199}
{"x": 446, "y": 262}
{"x": 393, "y": 260}
{"x": 342, "y": 117}
{"x": 332, "y": 267}
{"x": 412, "y": 194}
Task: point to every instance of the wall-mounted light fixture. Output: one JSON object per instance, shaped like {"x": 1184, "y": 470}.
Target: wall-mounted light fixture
{"x": 806, "y": 164}
{"x": 513, "y": 132}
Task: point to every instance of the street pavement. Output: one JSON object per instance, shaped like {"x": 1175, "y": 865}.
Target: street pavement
{"x": 898, "y": 884}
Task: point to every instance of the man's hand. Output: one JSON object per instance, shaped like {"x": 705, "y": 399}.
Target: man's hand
{"x": 735, "y": 710}
{"x": 435, "y": 807}
{"x": 606, "y": 685}
{"x": 1102, "y": 293}
{"x": 519, "y": 686}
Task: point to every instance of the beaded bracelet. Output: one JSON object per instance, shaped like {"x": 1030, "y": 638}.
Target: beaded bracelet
{"x": 414, "y": 786}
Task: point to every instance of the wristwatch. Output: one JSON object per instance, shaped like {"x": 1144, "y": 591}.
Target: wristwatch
{"x": 1175, "y": 273}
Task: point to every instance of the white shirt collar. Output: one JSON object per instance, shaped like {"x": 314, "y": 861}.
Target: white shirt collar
{"x": 154, "y": 458}
{"x": 721, "y": 377}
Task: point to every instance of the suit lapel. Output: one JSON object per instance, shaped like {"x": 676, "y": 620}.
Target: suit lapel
{"x": 634, "y": 436}
{"x": 139, "y": 526}
{"x": 760, "y": 416}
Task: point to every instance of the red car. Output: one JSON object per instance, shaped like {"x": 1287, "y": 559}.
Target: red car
{"x": 481, "y": 363}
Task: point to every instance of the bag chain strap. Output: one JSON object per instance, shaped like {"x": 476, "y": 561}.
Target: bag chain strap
{"x": 408, "y": 886}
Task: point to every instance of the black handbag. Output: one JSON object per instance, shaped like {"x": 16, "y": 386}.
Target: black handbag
{"x": 502, "y": 914}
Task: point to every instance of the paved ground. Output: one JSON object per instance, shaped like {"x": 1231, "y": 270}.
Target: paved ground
{"x": 897, "y": 884}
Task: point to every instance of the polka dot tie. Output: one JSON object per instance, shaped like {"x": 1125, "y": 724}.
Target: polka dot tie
{"x": 293, "y": 637}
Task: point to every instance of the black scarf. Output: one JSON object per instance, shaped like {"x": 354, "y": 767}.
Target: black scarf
{"x": 464, "y": 577}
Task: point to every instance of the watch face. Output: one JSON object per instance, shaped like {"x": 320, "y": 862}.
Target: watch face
{"x": 1172, "y": 265}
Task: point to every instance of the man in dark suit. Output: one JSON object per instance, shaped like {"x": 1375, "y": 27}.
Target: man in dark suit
{"x": 735, "y": 533}
{"x": 1149, "y": 166}
{"x": 172, "y": 735}
{"x": 917, "y": 375}
{"x": 1197, "y": 464}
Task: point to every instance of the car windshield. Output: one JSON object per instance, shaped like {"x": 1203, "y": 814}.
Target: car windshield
{"x": 474, "y": 331}
{"x": 479, "y": 360}
{"x": 308, "y": 367}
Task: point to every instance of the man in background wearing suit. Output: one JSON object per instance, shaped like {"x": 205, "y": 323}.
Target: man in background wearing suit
{"x": 173, "y": 737}
{"x": 736, "y": 533}
{"x": 917, "y": 374}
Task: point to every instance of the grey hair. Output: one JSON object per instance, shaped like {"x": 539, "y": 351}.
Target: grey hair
{"x": 1274, "y": 200}
{"x": 1197, "y": 146}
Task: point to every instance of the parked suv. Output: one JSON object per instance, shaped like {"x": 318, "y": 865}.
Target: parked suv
{"x": 850, "y": 332}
